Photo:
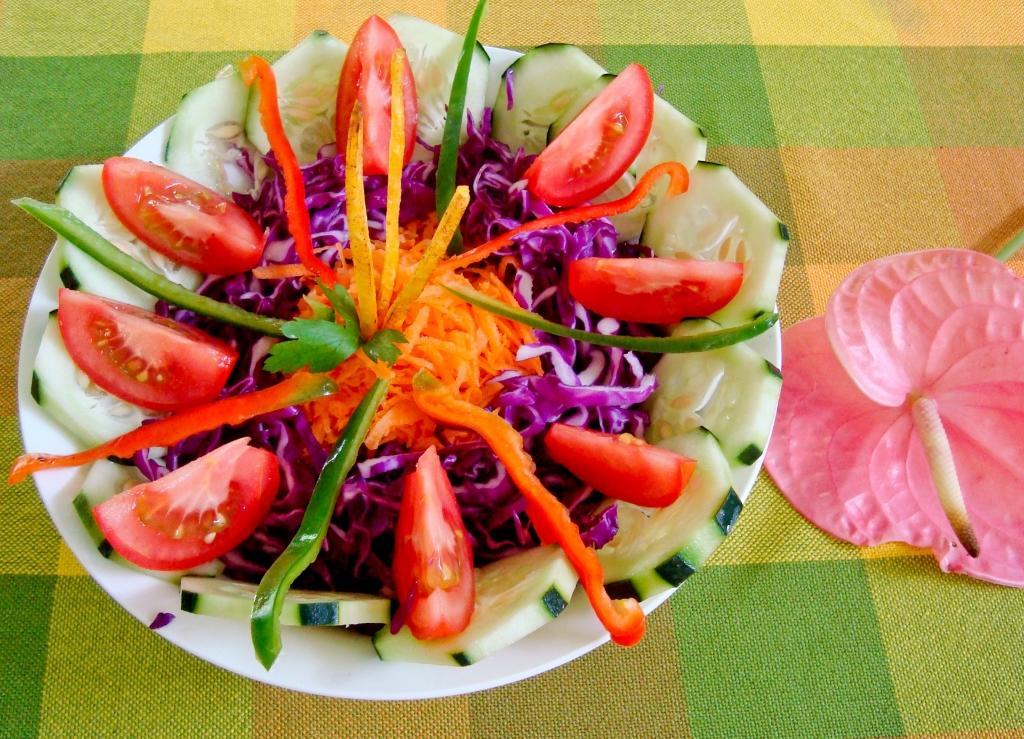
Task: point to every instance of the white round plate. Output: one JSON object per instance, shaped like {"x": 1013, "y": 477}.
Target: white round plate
{"x": 326, "y": 660}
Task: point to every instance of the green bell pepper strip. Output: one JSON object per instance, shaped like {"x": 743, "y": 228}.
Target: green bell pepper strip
{"x": 448, "y": 159}
{"x": 265, "y": 624}
{"x": 701, "y": 342}
{"x": 65, "y": 223}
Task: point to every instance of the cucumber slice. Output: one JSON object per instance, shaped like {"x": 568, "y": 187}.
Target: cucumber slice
{"x": 718, "y": 218}
{"x": 514, "y": 597}
{"x": 581, "y": 101}
{"x": 79, "y": 271}
{"x": 629, "y": 225}
{"x": 307, "y": 93}
{"x": 657, "y": 549}
{"x": 81, "y": 192}
{"x": 103, "y": 480}
{"x": 674, "y": 137}
{"x": 546, "y": 80}
{"x": 207, "y": 137}
{"x": 732, "y": 391}
{"x": 68, "y": 396}
{"x": 230, "y": 599}
{"x": 433, "y": 55}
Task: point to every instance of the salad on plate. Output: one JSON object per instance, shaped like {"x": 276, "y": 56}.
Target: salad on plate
{"x": 399, "y": 340}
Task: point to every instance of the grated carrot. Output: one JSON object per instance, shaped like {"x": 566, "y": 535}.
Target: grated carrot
{"x": 464, "y": 346}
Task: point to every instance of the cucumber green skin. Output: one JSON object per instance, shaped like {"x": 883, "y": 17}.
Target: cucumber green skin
{"x": 675, "y": 570}
{"x": 514, "y": 597}
{"x": 329, "y": 611}
{"x": 304, "y": 547}
{"x": 66, "y": 224}
{"x": 551, "y": 605}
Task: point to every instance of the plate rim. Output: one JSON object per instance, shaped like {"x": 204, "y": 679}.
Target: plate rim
{"x": 135, "y": 591}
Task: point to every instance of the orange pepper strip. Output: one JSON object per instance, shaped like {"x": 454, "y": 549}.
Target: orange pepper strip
{"x": 256, "y": 69}
{"x": 279, "y": 271}
{"x": 679, "y": 182}
{"x": 623, "y": 618}
{"x": 298, "y": 388}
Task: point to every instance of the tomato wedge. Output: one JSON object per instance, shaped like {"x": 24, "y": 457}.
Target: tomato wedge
{"x": 599, "y": 145}
{"x": 366, "y": 78}
{"x": 433, "y": 565}
{"x": 653, "y": 289}
{"x": 194, "y": 514}
{"x": 183, "y": 220}
{"x": 621, "y": 466}
{"x": 139, "y": 356}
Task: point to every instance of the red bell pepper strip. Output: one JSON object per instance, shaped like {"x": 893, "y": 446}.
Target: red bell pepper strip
{"x": 256, "y": 69}
{"x": 298, "y": 388}
{"x": 679, "y": 181}
{"x": 623, "y": 618}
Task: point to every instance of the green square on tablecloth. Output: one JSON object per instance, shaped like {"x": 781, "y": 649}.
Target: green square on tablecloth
{"x": 165, "y": 77}
{"x": 842, "y": 96}
{"x": 101, "y": 661}
{"x": 786, "y": 649}
{"x": 954, "y": 646}
{"x": 718, "y": 86}
{"x": 65, "y": 106}
{"x": 32, "y": 28}
{"x": 25, "y": 602}
{"x": 970, "y": 96}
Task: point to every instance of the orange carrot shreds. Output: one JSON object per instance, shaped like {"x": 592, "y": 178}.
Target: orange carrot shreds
{"x": 279, "y": 271}
{"x": 255, "y": 69}
{"x": 679, "y": 181}
{"x": 396, "y": 157}
{"x": 465, "y": 346}
{"x": 446, "y": 229}
{"x": 358, "y": 226}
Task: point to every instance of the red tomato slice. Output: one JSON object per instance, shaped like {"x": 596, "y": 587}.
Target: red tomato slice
{"x": 652, "y": 289}
{"x": 433, "y": 565}
{"x": 194, "y": 514}
{"x": 621, "y": 466}
{"x": 599, "y": 145}
{"x": 183, "y": 220}
{"x": 366, "y": 77}
{"x": 139, "y": 356}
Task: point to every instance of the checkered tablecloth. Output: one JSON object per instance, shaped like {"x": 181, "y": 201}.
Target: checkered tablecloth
{"x": 870, "y": 127}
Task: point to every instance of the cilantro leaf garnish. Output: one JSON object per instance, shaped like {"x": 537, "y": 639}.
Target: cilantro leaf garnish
{"x": 315, "y": 343}
{"x": 321, "y": 343}
{"x": 381, "y": 346}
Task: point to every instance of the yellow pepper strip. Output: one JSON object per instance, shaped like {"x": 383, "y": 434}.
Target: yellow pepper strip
{"x": 428, "y": 263}
{"x": 396, "y": 156}
{"x": 358, "y": 227}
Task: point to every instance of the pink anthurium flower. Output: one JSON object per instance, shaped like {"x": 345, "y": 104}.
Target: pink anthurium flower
{"x": 902, "y": 412}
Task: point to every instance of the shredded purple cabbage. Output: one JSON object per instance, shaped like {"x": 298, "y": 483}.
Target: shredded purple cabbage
{"x": 160, "y": 620}
{"x": 583, "y": 385}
